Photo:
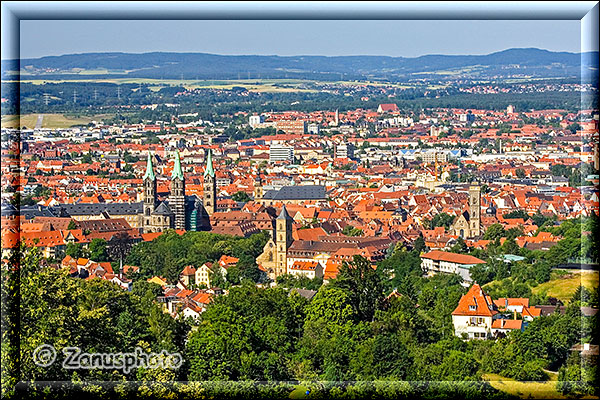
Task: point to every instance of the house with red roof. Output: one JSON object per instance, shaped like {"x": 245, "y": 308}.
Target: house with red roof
{"x": 474, "y": 314}
{"x": 387, "y": 108}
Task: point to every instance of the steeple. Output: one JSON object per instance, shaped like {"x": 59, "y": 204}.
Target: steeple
{"x": 177, "y": 171}
{"x": 284, "y": 214}
{"x": 209, "y": 165}
{"x": 177, "y": 196}
{"x": 149, "y": 169}
{"x": 283, "y": 240}
{"x": 210, "y": 186}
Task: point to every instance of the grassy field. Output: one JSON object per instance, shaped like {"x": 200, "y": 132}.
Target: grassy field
{"x": 565, "y": 286}
{"x": 51, "y": 121}
{"x": 562, "y": 283}
{"x": 529, "y": 390}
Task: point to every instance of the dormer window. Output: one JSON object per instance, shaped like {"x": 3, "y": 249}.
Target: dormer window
{"x": 472, "y": 308}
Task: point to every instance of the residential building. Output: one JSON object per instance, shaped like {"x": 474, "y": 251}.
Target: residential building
{"x": 474, "y": 314}
{"x": 437, "y": 261}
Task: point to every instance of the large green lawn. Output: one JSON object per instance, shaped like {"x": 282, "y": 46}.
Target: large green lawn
{"x": 529, "y": 390}
{"x": 565, "y": 286}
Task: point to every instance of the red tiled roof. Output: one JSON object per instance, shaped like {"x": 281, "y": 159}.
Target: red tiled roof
{"x": 439, "y": 255}
{"x": 507, "y": 324}
{"x": 475, "y": 303}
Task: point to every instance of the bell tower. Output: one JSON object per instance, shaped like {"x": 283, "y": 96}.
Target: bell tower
{"x": 475, "y": 210}
{"x": 283, "y": 240}
{"x": 258, "y": 189}
{"x": 210, "y": 186}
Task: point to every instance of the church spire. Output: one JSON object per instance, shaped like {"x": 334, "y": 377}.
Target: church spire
{"x": 149, "y": 169}
{"x": 209, "y": 165}
{"x": 177, "y": 171}
{"x": 284, "y": 214}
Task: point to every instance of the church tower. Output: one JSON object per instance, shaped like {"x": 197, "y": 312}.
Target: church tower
{"x": 475, "y": 210}
{"x": 149, "y": 196}
{"x": 283, "y": 240}
{"x": 258, "y": 189}
{"x": 210, "y": 186}
{"x": 177, "y": 197}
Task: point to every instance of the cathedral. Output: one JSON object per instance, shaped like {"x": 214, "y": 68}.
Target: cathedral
{"x": 179, "y": 211}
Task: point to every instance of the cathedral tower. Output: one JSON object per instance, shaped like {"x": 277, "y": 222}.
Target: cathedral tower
{"x": 149, "y": 196}
{"x": 210, "y": 186}
{"x": 177, "y": 197}
{"x": 283, "y": 240}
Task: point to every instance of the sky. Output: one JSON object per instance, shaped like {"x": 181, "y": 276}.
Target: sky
{"x": 411, "y": 38}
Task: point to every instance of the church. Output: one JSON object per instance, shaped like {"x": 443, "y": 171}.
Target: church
{"x": 468, "y": 224}
{"x": 179, "y": 211}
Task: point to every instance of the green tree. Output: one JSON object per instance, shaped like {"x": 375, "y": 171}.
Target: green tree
{"x": 241, "y": 197}
{"x": 98, "y": 250}
{"x": 493, "y": 232}
{"x": 363, "y": 285}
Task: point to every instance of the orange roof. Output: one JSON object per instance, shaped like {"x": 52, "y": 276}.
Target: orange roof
{"x": 475, "y": 303}
{"x": 507, "y": 302}
{"x": 227, "y": 260}
{"x": 305, "y": 265}
{"x": 439, "y": 255}
{"x": 188, "y": 270}
{"x": 507, "y": 324}
{"x": 531, "y": 311}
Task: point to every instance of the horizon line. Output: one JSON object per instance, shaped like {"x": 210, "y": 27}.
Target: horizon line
{"x": 300, "y": 55}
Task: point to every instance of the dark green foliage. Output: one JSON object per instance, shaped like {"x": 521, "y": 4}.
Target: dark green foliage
{"x": 442, "y": 219}
{"x": 241, "y": 197}
{"x": 363, "y": 285}
{"x": 94, "y": 315}
{"x": 290, "y": 281}
{"x": 247, "y": 335}
{"x": 98, "y": 250}
{"x": 168, "y": 254}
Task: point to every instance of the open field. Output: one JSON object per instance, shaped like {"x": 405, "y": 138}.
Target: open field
{"x": 564, "y": 287}
{"x": 562, "y": 283}
{"x": 256, "y": 85}
{"x": 530, "y": 390}
{"x": 51, "y": 121}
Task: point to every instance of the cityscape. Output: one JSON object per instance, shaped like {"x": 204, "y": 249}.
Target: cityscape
{"x": 300, "y": 226}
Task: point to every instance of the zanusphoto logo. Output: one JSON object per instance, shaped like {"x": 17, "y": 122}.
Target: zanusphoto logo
{"x": 45, "y": 355}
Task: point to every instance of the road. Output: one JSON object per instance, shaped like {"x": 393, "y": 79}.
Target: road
{"x": 38, "y": 124}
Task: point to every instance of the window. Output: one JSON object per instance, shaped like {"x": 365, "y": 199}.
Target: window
{"x": 472, "y": 308}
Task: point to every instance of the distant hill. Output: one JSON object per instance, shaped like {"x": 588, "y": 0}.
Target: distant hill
{"x": 513, "y": 62}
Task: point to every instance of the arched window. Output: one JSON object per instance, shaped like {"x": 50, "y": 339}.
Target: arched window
{"x": 462, "y": 233}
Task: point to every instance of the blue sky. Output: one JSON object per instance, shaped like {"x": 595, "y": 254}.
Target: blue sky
{"x": 296, "y": 37}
